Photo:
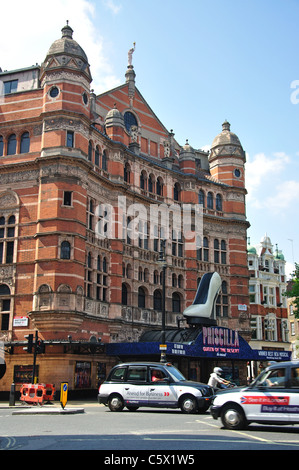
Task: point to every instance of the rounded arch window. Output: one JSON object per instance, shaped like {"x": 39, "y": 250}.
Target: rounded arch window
{"x": 210, "y": 200}
{"x": 141, "y": 297}
{"x": 4, "y": 289}
{"x": 157, "y": 300}
{"x": 12, "y": 145}
{"x": 130, "y": 120}
{"x": 85, "y": 98}
{"x": 65, "y": 250}
{"x": 25, "y": 142}
{"x": 176, "y": 303}
{"x": 124, "y": 294}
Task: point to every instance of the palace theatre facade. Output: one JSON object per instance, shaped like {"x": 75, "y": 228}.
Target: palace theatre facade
{"x": 78, "y": 267}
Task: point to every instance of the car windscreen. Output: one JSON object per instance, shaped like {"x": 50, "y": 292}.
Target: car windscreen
{"x": 270, "y": 378}
{"x": 175, "y": 373}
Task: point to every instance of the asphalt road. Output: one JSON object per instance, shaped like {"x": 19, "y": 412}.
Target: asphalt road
{"x": 150, "y": 430}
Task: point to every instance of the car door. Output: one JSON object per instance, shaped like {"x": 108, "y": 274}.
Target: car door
{"x": 161, "y": 391}
{"x": 268, "y": 399}
{"x": 135, "y": 390}
{"x": 293, "y": 407}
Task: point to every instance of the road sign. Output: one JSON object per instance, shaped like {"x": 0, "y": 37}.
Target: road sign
{"x": 163, "y": 347}
{"x": 63, "y": 393}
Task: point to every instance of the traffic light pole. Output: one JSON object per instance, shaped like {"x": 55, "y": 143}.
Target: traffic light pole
{"x": 34, "y": 356}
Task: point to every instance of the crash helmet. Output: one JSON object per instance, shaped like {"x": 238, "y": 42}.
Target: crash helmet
{"x": 217, "y": 370}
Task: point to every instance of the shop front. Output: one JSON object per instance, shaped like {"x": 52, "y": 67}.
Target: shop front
{"x": 196, "y": 351}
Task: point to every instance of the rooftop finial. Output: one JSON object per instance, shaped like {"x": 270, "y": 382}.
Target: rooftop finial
{"x": 67, "y": 31}
{"x": 226, "y": 126}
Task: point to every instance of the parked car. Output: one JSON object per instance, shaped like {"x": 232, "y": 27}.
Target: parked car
{"x": 153, "y": 384}
{"x": 273, "y": 398}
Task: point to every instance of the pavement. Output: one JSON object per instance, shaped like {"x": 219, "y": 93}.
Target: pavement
{"x": 73, "y": 407}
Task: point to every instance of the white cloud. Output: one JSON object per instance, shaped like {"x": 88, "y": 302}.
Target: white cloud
{"x": 260, "y": 172}
{"x": 285, "y": 196}
{"x": 34, "y": 30}
{"x": 111, "y": 5}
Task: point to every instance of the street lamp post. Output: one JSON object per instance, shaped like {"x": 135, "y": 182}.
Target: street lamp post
{"x": 161, "y": 260}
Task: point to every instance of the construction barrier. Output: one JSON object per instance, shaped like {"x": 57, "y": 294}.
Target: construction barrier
{"x": 37, "y": 394}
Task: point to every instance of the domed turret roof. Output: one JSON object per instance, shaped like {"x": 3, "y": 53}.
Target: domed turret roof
{"x": 226, "y": 137}
{"x": 251, "y": 250}
{"x": 67, "y": 45}
{"x": 187, "y": 151}
{"x": 279, "y": 255}
{"x": 114, "y": 118}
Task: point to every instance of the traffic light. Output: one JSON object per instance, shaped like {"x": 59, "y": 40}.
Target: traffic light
{"x": 29, "y": 346}
{"x": 40, "y": 346}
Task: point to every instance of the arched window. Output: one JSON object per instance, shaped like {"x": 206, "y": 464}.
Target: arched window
{"x": 143, "y": 180}
{"x": 124, "y": 294}
{"x": 97, "y": 156}
{"x": 201, "y": 197}
{"x": 4, "y": 289}
{"x": 159, "y": 187}
{"x": 90, "y": 151}
{"x": 157, "y": 300}
{"x": 210, "y": 202}
{"x": 151, "y": 184}
{"x": 176, "y": 303}
{"x": 1, "y": 146}
{"x": 176, "y": 192}
{"x": 127, "y": 173}
{"x": 65, "y": 250}
{"x": 104, "y": 160}
{"x": 12, "y": 144}
{"x": 25, "y": 143}
{"x": 141, "y": 297}
{"x": 130, "y": 120}
{"x": 218, "y": 202}
{"x": 223, "y": 251}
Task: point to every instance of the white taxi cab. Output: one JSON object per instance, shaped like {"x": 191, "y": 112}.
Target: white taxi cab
{"x": 273, "y": 398}
{"x": 161, "y": 385}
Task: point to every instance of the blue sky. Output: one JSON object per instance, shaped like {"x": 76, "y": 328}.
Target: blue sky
{"x": 197, "y": 63}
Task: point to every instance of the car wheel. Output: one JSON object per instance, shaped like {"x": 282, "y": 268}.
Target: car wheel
{"x": 115, "y": 403}
{"x": 232, "y": 417}
{"x": 188, "y": 404}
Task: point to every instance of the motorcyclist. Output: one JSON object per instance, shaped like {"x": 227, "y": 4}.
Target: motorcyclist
{"x": 215, "y": 380}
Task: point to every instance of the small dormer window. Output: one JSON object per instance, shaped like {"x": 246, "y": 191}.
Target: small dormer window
{"x": 11, "y": 86}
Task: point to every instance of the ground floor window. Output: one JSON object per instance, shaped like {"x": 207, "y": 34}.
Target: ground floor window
{"x": 23, "y": 374}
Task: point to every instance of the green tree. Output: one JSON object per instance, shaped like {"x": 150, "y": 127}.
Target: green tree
{"x": 293, "y": 290}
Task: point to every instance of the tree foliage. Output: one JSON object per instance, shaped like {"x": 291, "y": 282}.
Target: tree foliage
{"x": 293, "y": 290}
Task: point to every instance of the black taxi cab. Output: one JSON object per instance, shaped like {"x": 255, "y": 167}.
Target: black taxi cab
{"x": 273, "y": 398}
{"x": 134, "y": 385}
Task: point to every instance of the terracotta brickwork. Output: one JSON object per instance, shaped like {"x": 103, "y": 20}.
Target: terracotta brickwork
{"x": 79, "y": 164}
